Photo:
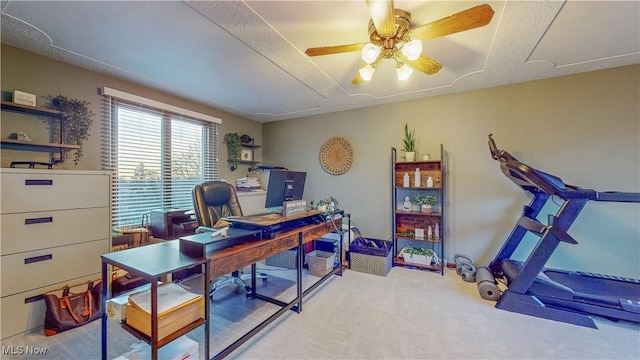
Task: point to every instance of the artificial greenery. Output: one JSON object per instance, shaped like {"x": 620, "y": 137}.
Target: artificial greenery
{"x": 329, "y": 201}
{"x": 409, "y": 139}
{"x": 234, "y": 145}
{"x": 418, "y": 251}
{"x": 424, "y": 199}
{"x": 77, "y": 120}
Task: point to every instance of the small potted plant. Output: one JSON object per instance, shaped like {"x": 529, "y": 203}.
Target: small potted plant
{"x": 426, "y": 202}
{"x": 329, "y": 205}
{"x": 419, "y": 256}
{"x": 409, "y": 143}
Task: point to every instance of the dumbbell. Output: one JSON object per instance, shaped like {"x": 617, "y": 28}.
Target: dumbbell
{"x": 465, "y": 267}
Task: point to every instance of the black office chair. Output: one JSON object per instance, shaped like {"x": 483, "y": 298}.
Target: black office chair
{"x": 212, "y": 201}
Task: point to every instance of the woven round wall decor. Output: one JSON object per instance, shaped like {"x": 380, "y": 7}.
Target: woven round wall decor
{"x": 336, "y": 155}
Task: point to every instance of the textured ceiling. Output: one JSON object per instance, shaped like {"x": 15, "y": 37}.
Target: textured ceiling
{"x": 247, "y": 57}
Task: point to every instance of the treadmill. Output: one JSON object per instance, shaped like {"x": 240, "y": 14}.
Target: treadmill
{"x": 565, "y": 296}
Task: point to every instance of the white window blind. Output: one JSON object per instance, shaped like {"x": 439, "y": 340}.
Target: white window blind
{"x": 156, "y": 158}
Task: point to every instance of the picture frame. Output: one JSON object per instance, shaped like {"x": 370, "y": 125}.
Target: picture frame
{"x": 246, "y": 155}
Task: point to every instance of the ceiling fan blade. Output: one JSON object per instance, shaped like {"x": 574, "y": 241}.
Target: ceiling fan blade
{"x": 471, "y": 18}
{"x": 328, "y": 50}
{"x": 383, "y": 16}
{"x": 424, "y": 63}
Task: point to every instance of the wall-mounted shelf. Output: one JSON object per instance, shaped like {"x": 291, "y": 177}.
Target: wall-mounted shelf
{"x": 33, "y": 145}
{"x": 247, "y": 157}
{"x": 8, "y": 105}
{"x": 38, "y": 144}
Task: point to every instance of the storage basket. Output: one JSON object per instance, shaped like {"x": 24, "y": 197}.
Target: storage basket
{"x": 320, "y": 262}
{"x": 371, "y": 256}
{"x": 286, "y": 259}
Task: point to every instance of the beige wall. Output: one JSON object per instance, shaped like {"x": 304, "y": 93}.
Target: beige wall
{"x": 44, "y": 77}
{"x": 583, "y": 128}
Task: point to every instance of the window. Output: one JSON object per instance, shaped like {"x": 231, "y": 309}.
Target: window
{"x": 156, "y": 158}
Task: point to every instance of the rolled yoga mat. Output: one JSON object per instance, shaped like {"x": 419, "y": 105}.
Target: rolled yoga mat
{"x": 487, "y": 284}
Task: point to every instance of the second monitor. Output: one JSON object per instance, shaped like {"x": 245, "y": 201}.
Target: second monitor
{"x": 284, "y": 185}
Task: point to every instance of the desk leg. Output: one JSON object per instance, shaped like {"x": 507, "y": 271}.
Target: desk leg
{"x": 154, "y": 319}
{"x": 341, "y": 241}
{"x": 253, "y": 280}
{"x": 299, "y": 275}
{"x": 207, "y": 311}
{"x": 104, "y": 310}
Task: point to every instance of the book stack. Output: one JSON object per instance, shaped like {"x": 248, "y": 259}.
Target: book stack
{"x": 248, "y": 184}
{"x": 177, "y": 308}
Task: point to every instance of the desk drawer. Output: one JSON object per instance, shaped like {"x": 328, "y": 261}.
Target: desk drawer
{"x": 23, "y": 232}
{"x": 24, "y": 192}
{"x": 20, "y": 316}
{"x": 34, "y": 269}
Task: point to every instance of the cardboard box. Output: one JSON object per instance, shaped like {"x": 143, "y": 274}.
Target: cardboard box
{"x": 117, "y": 306}
{"x": 177, "y": 308}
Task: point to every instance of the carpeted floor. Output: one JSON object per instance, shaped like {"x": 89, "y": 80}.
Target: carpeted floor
{"x": 409, "y": 314}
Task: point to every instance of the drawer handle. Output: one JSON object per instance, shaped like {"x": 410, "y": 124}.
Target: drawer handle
{"x": 33, "y": 298}
{"x": 38, "y": 182}
{"x": 41, "y": 220}
{"x": 38, "y": 259}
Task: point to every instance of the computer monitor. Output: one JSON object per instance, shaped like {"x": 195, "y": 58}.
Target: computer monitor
{"x": 284, "y": 185}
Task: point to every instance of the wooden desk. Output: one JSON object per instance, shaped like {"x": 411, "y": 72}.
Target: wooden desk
{"x": 231, "y": 258}
{"x": 227, "y": 260}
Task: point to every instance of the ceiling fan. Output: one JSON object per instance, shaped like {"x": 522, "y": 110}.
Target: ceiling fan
{"x": 391, "y": 38}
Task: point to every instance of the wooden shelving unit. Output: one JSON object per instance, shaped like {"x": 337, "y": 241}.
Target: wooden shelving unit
{"x": 405, "y": 223}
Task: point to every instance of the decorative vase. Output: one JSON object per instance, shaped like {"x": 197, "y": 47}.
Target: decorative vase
{"x": 426, "y": 208}
{"x": 410, "y": 156}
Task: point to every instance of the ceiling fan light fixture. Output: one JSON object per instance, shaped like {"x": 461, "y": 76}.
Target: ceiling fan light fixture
{"x": 370, "y": 53}
{"x": 366, "y": 73}
{"x": 404, "y": 71}
{"x": 412, "y": 49}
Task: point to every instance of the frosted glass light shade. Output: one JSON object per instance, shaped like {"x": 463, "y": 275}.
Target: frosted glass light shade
{"x": 370, "y": 53}
{"x": 404, "y": 72}
{"x": 366, "y": 73}
{"x": 412, "y": 50}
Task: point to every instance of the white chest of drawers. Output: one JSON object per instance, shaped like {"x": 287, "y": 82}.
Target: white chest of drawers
{"x": 54, "y": 225}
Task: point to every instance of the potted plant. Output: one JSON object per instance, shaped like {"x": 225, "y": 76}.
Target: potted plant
{"x": 426, "y": 202}
{"x": 419, "y": 256}
{"x": 76, "y": 122}
{"x": 326, "y": 204}
{"x": 409, "y": 143}
{"x": 234, "y": 145}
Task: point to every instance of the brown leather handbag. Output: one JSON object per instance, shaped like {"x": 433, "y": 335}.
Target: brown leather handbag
{"x": 72, "y": 309}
